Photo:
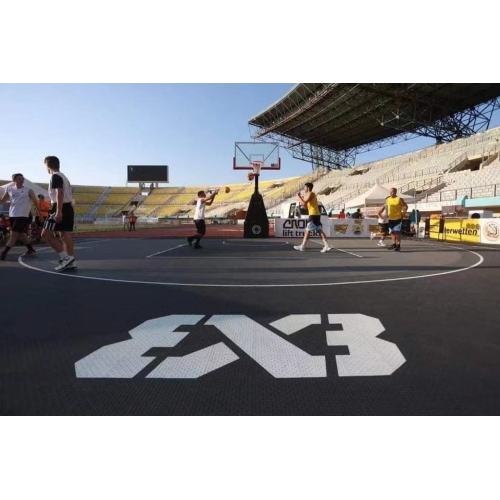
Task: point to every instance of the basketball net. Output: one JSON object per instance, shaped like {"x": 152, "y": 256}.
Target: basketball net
{"x": 256, "y": 167}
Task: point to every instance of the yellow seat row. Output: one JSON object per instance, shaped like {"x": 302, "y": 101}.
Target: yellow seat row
{"x": 88, "y": 189}
{"x": 82, "y": 209}
{"x": 118, "y": 199}
{"x": 124, "y": 190}
{"x": 181, "y": 199}
{"x": 85, "y": 198}
{"x": 155, "y": 199}
{"x": 168, "y": 210}
{"x": 108, "y": 210}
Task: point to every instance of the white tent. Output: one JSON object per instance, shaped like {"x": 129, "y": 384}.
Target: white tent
{"x": 375, "y": 196}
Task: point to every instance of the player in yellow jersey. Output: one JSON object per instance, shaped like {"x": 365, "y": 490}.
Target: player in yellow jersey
{"x": 395, "y": 208}
{"x": 310, "y": 201}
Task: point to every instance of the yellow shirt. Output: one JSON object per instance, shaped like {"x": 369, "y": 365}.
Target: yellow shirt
{"x": 312, "y": 205}
{"x": 394, "y": 208}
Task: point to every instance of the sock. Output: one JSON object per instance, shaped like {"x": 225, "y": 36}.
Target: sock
{"x": 63, "y": 254}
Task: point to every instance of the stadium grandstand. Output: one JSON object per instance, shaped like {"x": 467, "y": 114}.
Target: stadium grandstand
{"x": 328, "y": 125}
{"x": 463, "y": 172}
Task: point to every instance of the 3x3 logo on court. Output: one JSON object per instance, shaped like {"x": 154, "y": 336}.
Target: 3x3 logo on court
{"x": 368, "y": 354}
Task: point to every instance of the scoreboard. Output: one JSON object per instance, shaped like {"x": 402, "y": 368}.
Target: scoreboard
{"x": 147, "y": 173}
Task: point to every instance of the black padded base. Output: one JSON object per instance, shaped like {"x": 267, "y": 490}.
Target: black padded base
{"x": 256, "y": 221}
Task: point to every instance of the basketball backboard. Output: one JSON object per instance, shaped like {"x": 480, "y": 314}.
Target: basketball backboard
{"x": 266, "y": 154}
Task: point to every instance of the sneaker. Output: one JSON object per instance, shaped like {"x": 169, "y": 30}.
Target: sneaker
{"x": 190, "y": 241}
{"x": 381, "y": 244}
{"x": 65, "y": 263}
{"x": 325, "y": 249}
{"x": 197, "y": 246}
{"x": 397, "y": 248}
{"x": 372, "y": 235}
{"x": 392, "y": 247}
{"x": 300, "y": 248}
{"x": 29, "y": 253}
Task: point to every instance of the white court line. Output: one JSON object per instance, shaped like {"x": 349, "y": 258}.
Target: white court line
{"x": 255, "y": 245}
{"x": 338, "y": 249}
{"x": 165, "y": 251}
{"x": 287, "y": 285}
{"x": 225, "y": 257}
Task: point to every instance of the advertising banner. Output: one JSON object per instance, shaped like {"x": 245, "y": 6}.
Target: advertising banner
{"x": 295, "y": 228}
{"x": 435, "y": 229}
{"x": 468, "y": 230}
{"x": 459, "y": 230}
{"x": 353, "y": 228}
{"x": 490, "y": 231}
{"x": 336, "y": 228}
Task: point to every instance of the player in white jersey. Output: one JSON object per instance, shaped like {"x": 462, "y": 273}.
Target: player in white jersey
{"x": 22, "y": 199}
{"x": 199, "y": 217}
{"x": 383, "y": 232}
{"x": 61, "y": 216}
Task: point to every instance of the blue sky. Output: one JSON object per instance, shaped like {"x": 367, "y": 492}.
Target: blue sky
{"x": 97, "y": 130}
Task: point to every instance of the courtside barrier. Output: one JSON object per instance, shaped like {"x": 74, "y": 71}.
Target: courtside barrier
{"x": 490, "y": 231}
{"x": 458, "y": 230}
{"x": 337, "y": 228}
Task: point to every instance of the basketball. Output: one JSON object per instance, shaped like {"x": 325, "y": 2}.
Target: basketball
{"x": 227, "y": 189}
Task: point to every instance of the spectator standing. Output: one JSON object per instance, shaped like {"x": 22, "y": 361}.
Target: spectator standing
{"x": 132, "y": 219}
{"x": 357, "y": 214}
{"x": 43, "y": 209}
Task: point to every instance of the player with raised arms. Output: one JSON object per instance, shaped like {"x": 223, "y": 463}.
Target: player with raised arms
{"x": 310, "y": 201}
{"x": 199, "y": 216}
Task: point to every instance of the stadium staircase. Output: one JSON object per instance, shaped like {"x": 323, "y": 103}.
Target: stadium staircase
{"x": 93, "y": 211}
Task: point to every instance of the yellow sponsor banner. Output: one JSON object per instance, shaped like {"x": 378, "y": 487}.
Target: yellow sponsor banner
{"x": 468, "y": 230}
{"x": 434, "y": 228}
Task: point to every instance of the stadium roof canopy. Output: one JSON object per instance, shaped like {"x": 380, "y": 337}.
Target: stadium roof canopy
{"x": 331, "y": 122}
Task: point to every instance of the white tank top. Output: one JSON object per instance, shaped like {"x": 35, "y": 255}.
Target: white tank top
{"x": 20, "y": 202}
{"x": 382, "y": 219}
{"x": 68, "y": 193}
{"x": 199, "y": 213}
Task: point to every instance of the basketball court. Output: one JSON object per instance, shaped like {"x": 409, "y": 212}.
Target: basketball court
{"x": 250, "y": 326}
{"x": 148, "y": 324}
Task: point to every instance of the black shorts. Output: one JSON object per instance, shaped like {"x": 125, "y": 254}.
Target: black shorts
{"x": 395, "y": 225}
{"x": 384, "y": 227}
{"x": 67, "y": 222}
{"x": 314, "y": 223}
{"x": 200, "y": 226}
{"x": 19, "y": 224}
